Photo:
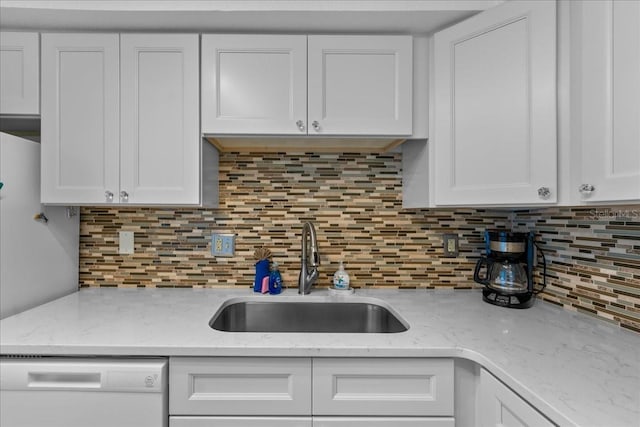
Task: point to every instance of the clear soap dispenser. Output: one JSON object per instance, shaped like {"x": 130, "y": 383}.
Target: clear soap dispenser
{"x": 341, "y": 278}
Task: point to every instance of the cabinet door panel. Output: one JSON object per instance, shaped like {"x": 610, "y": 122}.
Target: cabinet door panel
{"x": 240, "y": 422}
{"x": 495, "y": 107}
{"x": 19, "y": 73}
{"x": 403, "y": 387}
{"x": 360, "y": 85}
{"x": 383, "y": 422}
{"x": 498, "y": 406}
{"x": 254, "y": 84}
{"x": 610, "y": 98}
{"x": 80, "y": 122}
{"x": 160, "y": 138}
{"x": 240, "y": 386}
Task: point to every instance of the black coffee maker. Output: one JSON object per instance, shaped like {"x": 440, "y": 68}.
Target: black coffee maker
{"x": 506, "y": 270}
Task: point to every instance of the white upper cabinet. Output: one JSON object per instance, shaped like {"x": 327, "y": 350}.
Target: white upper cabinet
{"x": 120, "y": 119}
{"x": 254, "y": 84}
{"x": 159, "y": 118}
{"x": 299, "y": 85}
{"x": 80, "y": 116}
{"x": 19, "y": 73}
{"x": 360, "y": 85}
{"x": 606, "y": 101}
{"x": 495, "y": 107}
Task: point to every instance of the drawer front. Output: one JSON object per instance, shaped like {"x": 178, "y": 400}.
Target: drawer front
{"x": 387, "y": 387}
{"x": 240, "y": 422}
{"x": 239, "y": 386}
{"x": 383, "y": 422}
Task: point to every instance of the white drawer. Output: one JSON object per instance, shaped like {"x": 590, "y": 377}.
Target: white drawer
{"x": 240, "y": 422}
{"x": 387, "y": 387}
{"x": 383, "y": 422}
{"x": 239, "y": 386}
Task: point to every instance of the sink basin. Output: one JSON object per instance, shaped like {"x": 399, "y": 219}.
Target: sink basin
{"x": 306, "y": 316}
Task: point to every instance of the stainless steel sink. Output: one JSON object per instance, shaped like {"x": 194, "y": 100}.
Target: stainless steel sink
{"x": 306, "y": 316}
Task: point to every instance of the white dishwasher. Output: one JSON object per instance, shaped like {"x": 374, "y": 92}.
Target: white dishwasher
{"x": 87, "y": 392}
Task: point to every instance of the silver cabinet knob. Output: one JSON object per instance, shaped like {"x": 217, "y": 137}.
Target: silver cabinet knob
{"x": 108, "y": 195}
{"x": 544, "y": 192}
{"x": 316, "y": 126}
{"x": 300, "y": 125}
{"x": 124, "y": 196}
{"x": 586, "y": 189}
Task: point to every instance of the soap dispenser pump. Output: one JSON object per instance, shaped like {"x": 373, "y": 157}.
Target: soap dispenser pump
{"x": 341, "y": 278}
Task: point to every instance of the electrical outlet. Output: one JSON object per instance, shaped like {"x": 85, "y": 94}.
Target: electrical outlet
{"x": 450, "y": 245}
{"x": 223, "y": 245}
{"x": 126, "y": 242}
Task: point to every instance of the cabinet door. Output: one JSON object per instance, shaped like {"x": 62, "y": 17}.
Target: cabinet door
{"x": 360, "y": 85}
{"x": 383, "y": 422}
{"x": 385, "y": 387}
{"x": 608, "y": 102}
{"x": 160, "y": 130}
{"x": 254, "y": 84}
{"x": 495, "y": 107}
{"x": 80, "y": 118}
{"x": 240, "y": 386}
{"x": 19, "y": 73}
{"x": 21, "y": 285}
{"x": 240, "y": 422}
{"x": 498, "y": 406}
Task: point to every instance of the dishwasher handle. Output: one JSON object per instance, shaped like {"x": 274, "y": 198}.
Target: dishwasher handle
{"x": 64, "y": 380}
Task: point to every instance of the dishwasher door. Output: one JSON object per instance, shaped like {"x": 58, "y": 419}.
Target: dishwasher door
{"x": 70, "y": 392}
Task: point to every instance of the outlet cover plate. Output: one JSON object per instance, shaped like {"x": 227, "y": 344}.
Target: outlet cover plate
{"x": 126, "y": 242}
{"x": 451, "y": 249}
{"x": 223, "y": 245}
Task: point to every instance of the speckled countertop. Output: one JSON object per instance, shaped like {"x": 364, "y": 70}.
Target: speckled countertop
{"x": 575, "y": 369}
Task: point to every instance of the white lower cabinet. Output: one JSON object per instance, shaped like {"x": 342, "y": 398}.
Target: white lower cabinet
{"x": 323, "y": 392}
{"x": 383, "y": 422}
{"x": 240, "y": 386}
{"x": 240, "y": 422}
{"x": 498, "y": 406}
{"x": 384, "y": 387}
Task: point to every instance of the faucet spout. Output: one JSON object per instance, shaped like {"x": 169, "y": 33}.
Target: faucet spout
{"x": 310, "y": 259}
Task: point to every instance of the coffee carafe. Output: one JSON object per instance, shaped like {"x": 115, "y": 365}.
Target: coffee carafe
{"x": 506, "y": 270}
{"x": 508, "y": 277}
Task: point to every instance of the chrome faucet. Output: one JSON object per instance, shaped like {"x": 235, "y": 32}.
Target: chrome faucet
{"x": 309, "y": 261}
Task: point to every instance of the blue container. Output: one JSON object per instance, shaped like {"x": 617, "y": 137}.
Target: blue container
{"x": 262, "y": 271}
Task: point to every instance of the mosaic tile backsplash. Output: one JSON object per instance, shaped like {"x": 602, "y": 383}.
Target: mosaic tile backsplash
{"x": 594, "y": 259}
{"x": 355, "y": 202}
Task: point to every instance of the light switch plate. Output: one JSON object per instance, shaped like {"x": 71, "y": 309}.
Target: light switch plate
{"x": 126, "y": 242}
{"x": 223, "y": 245}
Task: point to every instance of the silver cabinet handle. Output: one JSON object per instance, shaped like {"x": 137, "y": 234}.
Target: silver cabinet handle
{"x": 124, "y": 196}
{"x": 544, "y": 192}
{"x": 586, "y": 189}
{"x": 108, "y": 195}
{"x": 316, "y": 125}
{"x": 300, "y": 125}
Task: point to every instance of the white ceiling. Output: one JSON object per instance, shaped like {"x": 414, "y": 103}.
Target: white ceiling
{"x": 289, "y": 16}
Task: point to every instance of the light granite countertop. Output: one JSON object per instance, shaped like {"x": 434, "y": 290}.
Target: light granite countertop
{"x": 575, "y": 369}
